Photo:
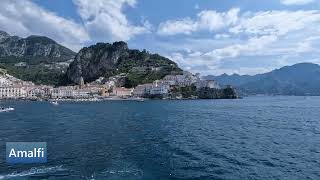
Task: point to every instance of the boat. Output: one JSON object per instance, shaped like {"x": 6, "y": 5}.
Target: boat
{"x": 140, "y": 99}
{"x": 54, "y": 103}
{"x": 3, "y": 109}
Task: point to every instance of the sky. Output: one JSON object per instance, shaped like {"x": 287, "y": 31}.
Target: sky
{"x": 206, "y": 36}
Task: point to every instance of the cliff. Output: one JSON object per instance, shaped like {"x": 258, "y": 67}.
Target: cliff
{"x": 107, "y": 60}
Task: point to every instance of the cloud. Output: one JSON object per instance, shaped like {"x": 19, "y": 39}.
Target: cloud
{"x": 101, "y": 21}
{"x": 24, "y": 18}
{"x": 296, "y": 2}
{"x": 275, "y": 22}
{"x": 259, "y": 23}
{"x": 252, "y": 47}
{"x": 105, "y": 20}
{"x": 207, "y": 20}
{"x": 253, "y": 42}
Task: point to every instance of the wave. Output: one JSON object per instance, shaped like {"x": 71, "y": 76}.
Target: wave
{"x": 134, "y": 172}
{"x": 46, "y": 172}
{"x": 34, "y": 172}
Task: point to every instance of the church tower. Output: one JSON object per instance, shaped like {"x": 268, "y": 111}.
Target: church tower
{"x": 81, "y": 83}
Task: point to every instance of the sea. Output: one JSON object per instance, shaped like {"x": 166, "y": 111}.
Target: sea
{"x": 261, "y": 137}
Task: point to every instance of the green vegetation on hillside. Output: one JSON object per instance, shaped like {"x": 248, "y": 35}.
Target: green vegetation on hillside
{"x": 184, "y": 92}
{"x": 143, "y": 67}
{"x": 36, "y": 73}
{"x": 107, "y": 60}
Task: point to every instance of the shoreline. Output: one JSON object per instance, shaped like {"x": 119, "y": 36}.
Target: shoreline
{"x": 138, "y": 99}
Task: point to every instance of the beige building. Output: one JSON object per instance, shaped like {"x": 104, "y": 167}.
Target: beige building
{"x": 39, "y": 91}
{"x": 122, "y": 92}
{"x": 142, "y": 89}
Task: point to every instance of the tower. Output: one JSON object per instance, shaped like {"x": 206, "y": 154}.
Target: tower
{"x": 81, "y": 83}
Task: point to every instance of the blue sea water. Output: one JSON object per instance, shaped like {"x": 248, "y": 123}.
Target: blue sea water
{"x": 251, "y": 138}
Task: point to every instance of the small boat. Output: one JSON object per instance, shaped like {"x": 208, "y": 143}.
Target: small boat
{"x": 54, "y": 103}
{"x": 3, "y": 109}
{"x": 140, "y": 100}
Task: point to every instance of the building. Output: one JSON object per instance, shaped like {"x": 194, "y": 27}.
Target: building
{"x": 81, "y": 82}
{"x": 63, "y": 92}
{"x": 38, "y": 91}
{"x": 142, "y": 90}
{"x": 34, "y": 92}
{"x": 159, "y": 87}
{"x": 186, "y": 79}
{"x": 12, "y": 92}
{"x": 122, "y": 92}
{"x": 159, "y": 90}
{"x": 90, "y": 91}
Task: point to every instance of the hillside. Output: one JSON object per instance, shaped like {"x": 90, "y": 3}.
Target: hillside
{"x": 8, "y": 80}
{"x": 107, "y": 60}
{"x": 299, "y": 79}
{"x": 35, "y": 58}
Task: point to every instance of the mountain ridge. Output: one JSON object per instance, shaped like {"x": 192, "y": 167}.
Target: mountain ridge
{"x": 33, "y": 46}
{"x": 34, "y": 58}
{"x": 298, "y": 79}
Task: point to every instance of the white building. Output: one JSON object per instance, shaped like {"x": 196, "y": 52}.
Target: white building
{"x": 186, "y": 79}
{"x": 157, "y": 88}
{"x": 63, "y": 92}
{"x": 12, "y": 92}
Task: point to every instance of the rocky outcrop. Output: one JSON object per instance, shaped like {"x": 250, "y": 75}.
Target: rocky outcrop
{"x": 3, "y": 36}
{"x": 210, "y": 93}
{"x": 107, "y": 60}
{"x": 33, "y": 46}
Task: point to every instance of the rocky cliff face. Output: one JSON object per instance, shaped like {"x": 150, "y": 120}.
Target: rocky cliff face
{"x": 106, "y": 60}
{"x": 33, "y": 46}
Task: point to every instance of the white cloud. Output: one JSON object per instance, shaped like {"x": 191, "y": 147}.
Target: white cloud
{"x": 171, "y": 27}
{"x": 296, "y": 2}
{"x": 253, "y": 42}
{"x": 24, "y": 18}
{"x": 105, "y": 20}
{"x": 260, "y": 23}
{"x": 206, "y": 21}
{"x": 222, "y": 36}
{"x": 251, "y": 48}
{"x": 275, "y": 22}
{"x": 101, "y": 21}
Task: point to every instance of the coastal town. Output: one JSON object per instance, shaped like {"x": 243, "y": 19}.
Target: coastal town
{"x": 102, "y": 89}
